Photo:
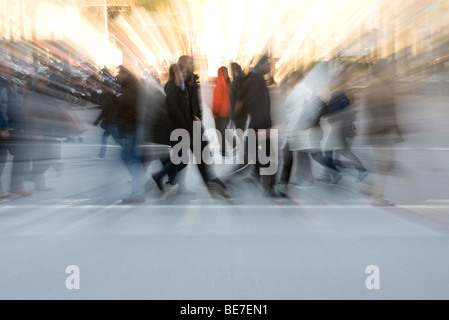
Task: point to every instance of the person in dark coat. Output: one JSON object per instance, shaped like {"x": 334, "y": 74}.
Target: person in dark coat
{"x": 12, "y": 133}
{"x": 180, "y": 117}
{"x": 195, "y": 112}
{"x": 255, "y": 100}
{"x": 130, "y": 108}
{"x": 108, "y": 117}
{"x": 237, "y": 77}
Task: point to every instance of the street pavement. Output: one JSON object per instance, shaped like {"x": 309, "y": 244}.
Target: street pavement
{"x": 317, "y": 244}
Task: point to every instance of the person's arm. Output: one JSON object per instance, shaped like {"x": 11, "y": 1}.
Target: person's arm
{"x": 238, "y": 108}
{"x": 218, "y": 102}
{"x": 106, "y": 106}
{"x": 174, "y": 112}
{"x": 240, "y": 93}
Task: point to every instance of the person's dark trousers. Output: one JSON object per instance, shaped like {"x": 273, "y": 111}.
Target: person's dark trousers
{"x": 3, "y": 160}
{"x": 348, "y": 154}
{"x": 205, "y": 170}
{"x": 132, "y": 157}
{"x": 221, "y": 124}
{"x": 43, "y": 155}
{"x": 324, "y": 161}
{"x": 109, "y": 130}
{"x": 267, "y": 181}
{"x": 170, "y": 169}
{"x": 287, "y": 164}
{"x": 240, "y": 123}
{"x": 19, "y": 150}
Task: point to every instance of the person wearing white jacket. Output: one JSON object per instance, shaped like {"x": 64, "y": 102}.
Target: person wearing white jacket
{"x": 303, "y": 132}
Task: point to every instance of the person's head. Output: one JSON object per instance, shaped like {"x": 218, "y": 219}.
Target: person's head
{"x": 264, "y": 64}
{"x": 177, "y": 74}
{"x": 236, "y": 69}
{"x": 125, "y": 75}
{"x": 187, "y": 63}
{"x": 223, "y": 71}
{"x": 41, "y": 80}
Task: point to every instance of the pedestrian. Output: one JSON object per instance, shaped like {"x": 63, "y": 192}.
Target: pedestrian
{"x": 108, "y": 117}
{"x": 289, "y": 157}
{"x": 254, "y": 99}
{"x": 340, "y": 117}
{"x": 221, "y": 106}
{"x": 12, "y": 132}
{"x": 240, "y": 121}
{"x": 181, "y": 117}
{"x": 304, "y": 108}
{"x": 129, "y": 113}
{"x": 192, "y": 87}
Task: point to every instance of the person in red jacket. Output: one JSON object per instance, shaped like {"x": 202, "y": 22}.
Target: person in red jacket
{"x": 221, "y": 106}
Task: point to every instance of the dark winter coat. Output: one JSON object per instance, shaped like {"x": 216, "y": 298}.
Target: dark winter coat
{"x": 256, "y": 100}
{"x": 180, "y": 111}
{"x": 158, "y": 125}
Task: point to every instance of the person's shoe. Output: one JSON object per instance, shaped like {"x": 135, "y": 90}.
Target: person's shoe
{"x": 217, "y": 185}
{"x": 21, "y": 192}
{"x": 281, "y": 188}
{"x": 381, "y": 202}
{"x": 337, "y": 178}
{"x": 272, "y": 193}
{"x": 4, "y": 195}
{"x": 98, "y": 158}
{"x": 362, "y": 175}
{"x": 158, "y": 181}
{"x": 44, "y": 188}
{"x": 280, "y": 192}
{"x": 134, "y": 199}
{"x": 169, "y": 191}
{"x": 305, "y": 185}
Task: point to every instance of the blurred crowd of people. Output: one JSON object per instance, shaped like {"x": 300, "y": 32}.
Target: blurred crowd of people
{"x": 140, "y": 112}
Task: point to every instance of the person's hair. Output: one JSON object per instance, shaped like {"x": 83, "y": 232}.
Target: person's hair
{"x": 224, "y": 70}
{"x": 236, "y": 68}
{"x": 172, "y": 71}
{"x": 263, "y": 60}
{"x": 182, "y": 61}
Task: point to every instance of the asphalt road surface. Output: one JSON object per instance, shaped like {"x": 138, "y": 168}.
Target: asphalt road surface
{"x": 325, "y": 242}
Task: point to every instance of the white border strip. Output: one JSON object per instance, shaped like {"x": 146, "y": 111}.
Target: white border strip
{"x": 215, "y": 206}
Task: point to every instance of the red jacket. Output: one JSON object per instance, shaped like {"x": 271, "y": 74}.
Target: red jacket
{"x": 221, "y": 106}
